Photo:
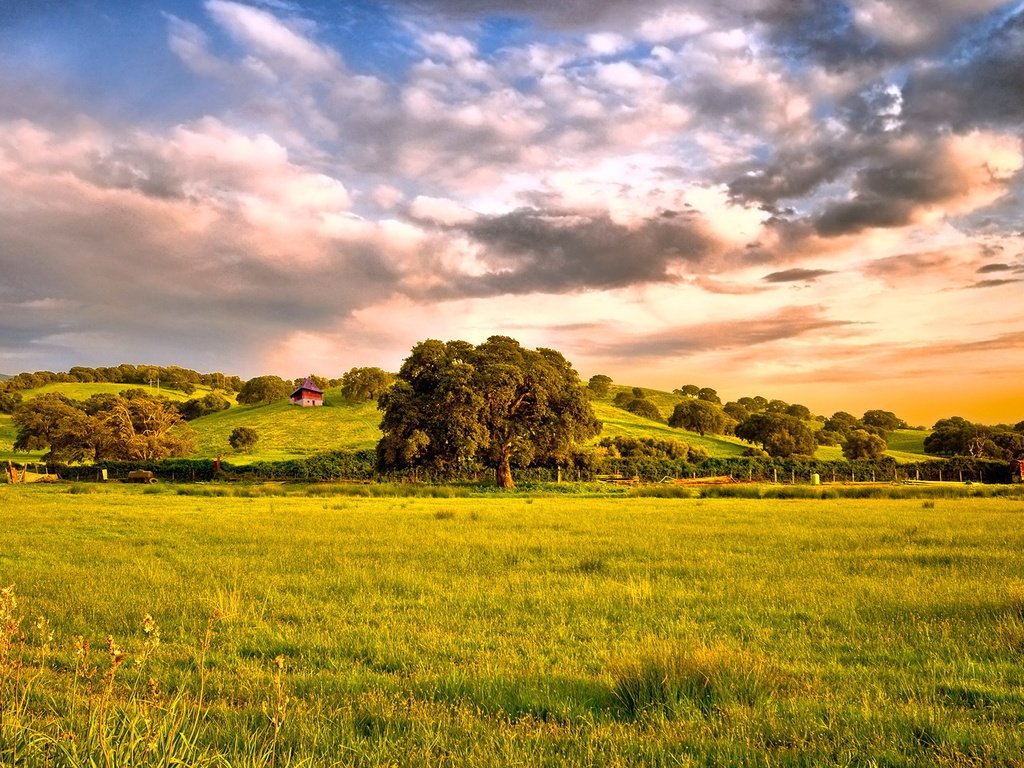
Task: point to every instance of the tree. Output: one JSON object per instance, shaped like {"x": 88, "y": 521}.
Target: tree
{"x": 736, "y": 411}
{"x": 688, "y": 390}
{"x": 799, "y": 411}
{"x": 360, "y": 385}
{"x": 455, "y": 405}
{"x": 778, "y": 434}
{"x": 132, "y": 425}
{"x": 146, "y": 428}
{"x": 883, "y": 420}
{"x": 61, "y": 426}
{"x": 956, "y": 436}
{"x": 842, "y": 423}
{"x": 644, "y": 408}
{"x": 698, "y": 416}
{"x": 264, "y": 389}
{"x": 213, "y": 402}
{"x": 9, "y": 401}
{"x": 243, "y": 439}
{"x": 861, "y": 444}
{"x": 709, "y": 395}
{"x": 600, "y": 384}
{"x": 828, "y": 437}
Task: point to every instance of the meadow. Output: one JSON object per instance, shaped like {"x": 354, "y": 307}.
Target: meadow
{"x": 292, "y": 625}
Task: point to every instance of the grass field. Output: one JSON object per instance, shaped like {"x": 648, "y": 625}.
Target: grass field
{"x": 323, "y": 629}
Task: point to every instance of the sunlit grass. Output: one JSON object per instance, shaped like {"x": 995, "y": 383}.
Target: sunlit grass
{"x": 528, "y": 631}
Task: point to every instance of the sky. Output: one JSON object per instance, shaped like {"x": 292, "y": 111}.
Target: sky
{"x": 812, "y": 200}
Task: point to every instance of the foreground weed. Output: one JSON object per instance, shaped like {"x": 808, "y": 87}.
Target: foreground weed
{"x": 670, "y": 681}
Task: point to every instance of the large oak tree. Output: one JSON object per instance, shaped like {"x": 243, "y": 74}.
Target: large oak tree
{"x": 454, "y": 406}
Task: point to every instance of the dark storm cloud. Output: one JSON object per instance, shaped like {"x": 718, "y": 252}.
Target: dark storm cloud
{"x": 787, "y": 323}
{"x": 533, "y": 250}
{"x": 796, "y": 275}
{"x": 888, "y": 193}
{"x": 982, "y": 86}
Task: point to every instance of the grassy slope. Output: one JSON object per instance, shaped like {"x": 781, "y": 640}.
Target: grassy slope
{"x": 85, "y": 391}
{"x": 287, "y": 431}
{"x": 516, "y": 631}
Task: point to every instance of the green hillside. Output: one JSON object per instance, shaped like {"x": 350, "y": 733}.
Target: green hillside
{"x": 618, "y": 421}
{"x": 287, "y": 431}
{"x": 85, "y": 391}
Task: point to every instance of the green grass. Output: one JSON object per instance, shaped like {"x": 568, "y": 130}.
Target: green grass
{"x": 907, "y": 445}
{"x": 287, "y": 431}
{"x": 85, "y": 391}
{"x": 519, "y": 631}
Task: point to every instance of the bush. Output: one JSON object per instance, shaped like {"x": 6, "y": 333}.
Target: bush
{"x": 244, "y": 439}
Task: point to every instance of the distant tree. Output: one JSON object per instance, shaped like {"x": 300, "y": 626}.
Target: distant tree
{"x": 828, "y": 437}
{"x": 698, "y": 416}
{"x": 9, "y": 401}
{"x": 213, "y": 402}
{"x": 243, "y": 439}
{"x": 600, "y": 384}
{"x": 264, "y": 389}
{"x": 776, "y": 406}
{"x": 688, "y": 390}
{"x": 778, "y": 434}
{"x": 883, "y": 420}
{"x": 360, "y": 385}
{"x": 626, "y": 446}
{"x": 737, "y": 412}
{"x": 637, "y": 392}
{"x": 644, "y": 408}
{"x": 957, "y": 436}
{"x": 623, "y": 398}
{"x": 861, "y": 444}
{"x": 709, "y": 395}
{"x": 1019, "y": 427}
{"x": 456, "y": 405}
{"x": 799, "y": 411}
{"x": 842, "y": 423}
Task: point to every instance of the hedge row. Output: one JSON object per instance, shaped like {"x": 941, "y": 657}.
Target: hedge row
{"x": 361, "y": 466}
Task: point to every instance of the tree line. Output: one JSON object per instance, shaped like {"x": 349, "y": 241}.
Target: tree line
{"x": 455, "y": 409}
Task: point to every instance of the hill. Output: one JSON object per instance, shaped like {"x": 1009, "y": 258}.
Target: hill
{"x": 287, "y": 432}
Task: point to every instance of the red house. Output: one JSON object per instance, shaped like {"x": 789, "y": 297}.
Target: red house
{"x": 308, "y": 394}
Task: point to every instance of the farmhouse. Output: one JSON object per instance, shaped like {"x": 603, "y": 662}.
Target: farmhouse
{"x": 308, "y": 394}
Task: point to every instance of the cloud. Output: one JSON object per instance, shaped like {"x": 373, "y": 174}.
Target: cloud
{"x": 989, "y": 268}
{"x": 796, "y": 275}
{"x": 785, "y": 323}
{"x": 271, "y": 37}
{"x": 954, "y": 174}
{"x": 555, "y": 251}
{"x": 995, "y": 283}
{"x": 908, "y": 266}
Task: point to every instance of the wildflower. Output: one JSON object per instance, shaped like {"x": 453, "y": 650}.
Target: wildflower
{"x": 151, "y": 630}
{"x": 279, "y": 662}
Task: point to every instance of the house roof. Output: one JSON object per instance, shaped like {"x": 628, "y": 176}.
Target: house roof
{"x": 307, "y": 385}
